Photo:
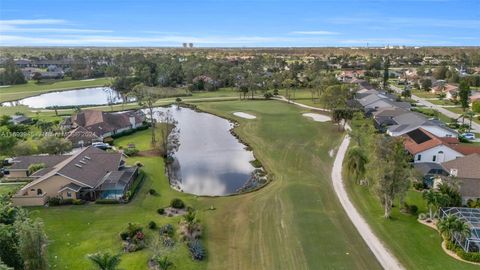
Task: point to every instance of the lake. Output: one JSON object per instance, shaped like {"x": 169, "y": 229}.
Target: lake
{"x": 209, "y": 160}
{"x": 78, "y": 97}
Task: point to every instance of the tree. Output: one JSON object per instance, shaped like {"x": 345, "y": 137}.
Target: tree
{"x": 390, "y": 171}
{"x": 335, "y": 96}
{"x": 434, "y": 200}
{"x": 440, "y": 73}
{"x": 32, "y": 244}
{"x": 24, "y": 148}
{"x": 105, "y": 260}
{"x": 464, "y": 94}
{"x": 37, "y": 76}
{"x": 146, "y": 97}
{"x": 450, "y": 226}
{"x": 426, "y": 84}
{"x": 386, "y": 74}
{"x": 356, "y": 163}
{"x": 54, "y": 145}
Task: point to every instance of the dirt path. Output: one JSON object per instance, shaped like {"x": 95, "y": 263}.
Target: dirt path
{"x": 383, "y": 255}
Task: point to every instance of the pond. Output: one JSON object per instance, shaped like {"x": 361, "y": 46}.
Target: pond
{"x": 208, "y": 159}
{"x": 78, "y": 97}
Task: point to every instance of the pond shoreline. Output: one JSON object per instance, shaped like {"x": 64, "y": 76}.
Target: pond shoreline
{"x": 267, "y": 175}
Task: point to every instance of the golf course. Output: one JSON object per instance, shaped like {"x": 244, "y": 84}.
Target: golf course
{"x": 295, "y": 222}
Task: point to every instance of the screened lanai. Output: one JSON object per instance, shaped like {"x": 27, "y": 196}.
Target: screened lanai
{"x": 472, "y": 217}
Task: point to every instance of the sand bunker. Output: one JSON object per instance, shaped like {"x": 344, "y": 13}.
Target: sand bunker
{"x": 244, "y": 115}
{"x": 88, "y": 80}
{"x": 317, "y": 117}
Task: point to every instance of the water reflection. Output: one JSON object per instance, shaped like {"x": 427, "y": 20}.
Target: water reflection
{"x": 209, "y": 160}
{"x": 79, "y": 97}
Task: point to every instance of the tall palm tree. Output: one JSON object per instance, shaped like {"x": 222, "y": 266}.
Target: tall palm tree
{"x": 356, "y": 163}
{"x": 105, "y": 260}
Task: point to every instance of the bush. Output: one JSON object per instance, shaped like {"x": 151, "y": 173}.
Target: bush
{"x": 152, "y": 191}
{"x": 131, "y": 151}
{"x": 167, "y": 229}
{"x": 107, "y": 201}
{"x": 161, "y": 211}
{"x": 177, "y": 203}
{"x": 152, "y": 225}
{"x": 256, "y": 163}
{"x": 268, "y": 95}
{"x": 197, "y": 250}
{"x": 124, "y": 236}
{"x": 412, "y": 209}
{"x": 78, "y": 202}
{"x": 422, "y": 216}
{"x": 168, "y": 242}
{"x": 419, "y": 185}
{"x": 138, "y": 164}
{"x": 469, "y": 256}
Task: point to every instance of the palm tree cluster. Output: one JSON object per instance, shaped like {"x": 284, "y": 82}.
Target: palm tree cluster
{"x": 451, "y": 226}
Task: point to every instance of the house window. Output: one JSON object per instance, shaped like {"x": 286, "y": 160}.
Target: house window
{"x": 419, "y": 157}
{"x": 69, "y": 194}
{"x": 434, "y": 158}
{"x": 39, "y": 191}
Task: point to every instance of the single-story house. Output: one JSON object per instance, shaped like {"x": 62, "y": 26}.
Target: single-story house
{"x": 104, "y": 124}
{"x": 80, "y": 137}
{"x": 448, "y": 89}
{"x": 384, "y": 117}
{"x": 89, "y": 174}
{"x": 467, "y": 171}
{"x": 19, "y": 165}
{"x": 412, "y": 120}
{"x": 426, "y": 147}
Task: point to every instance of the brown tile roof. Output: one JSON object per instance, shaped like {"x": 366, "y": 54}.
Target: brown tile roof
{"x": 467, "y": 167}
{"x": 419, "y": 140}
{"x": 22, "y": 162}
{"x": 100, "y": 122}
{"x": 445, "y": 88}
{"x": 465, "y": 149}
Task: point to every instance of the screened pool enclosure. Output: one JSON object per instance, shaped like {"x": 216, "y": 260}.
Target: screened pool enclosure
{"x": 471, "y": 216}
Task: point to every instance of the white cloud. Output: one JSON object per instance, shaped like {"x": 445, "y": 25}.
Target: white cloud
{"x": 314, "y": 33}
{"x": 32, "y": 22}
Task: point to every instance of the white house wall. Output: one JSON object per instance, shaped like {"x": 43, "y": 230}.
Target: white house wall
{"x": 427, "y": 155}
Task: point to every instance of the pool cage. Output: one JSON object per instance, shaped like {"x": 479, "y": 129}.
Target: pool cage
{"x": 472, "y": 217}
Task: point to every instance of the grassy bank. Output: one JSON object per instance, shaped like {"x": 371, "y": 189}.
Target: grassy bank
{"x": 33, "y": 88}
{"x": 295, "y": 222}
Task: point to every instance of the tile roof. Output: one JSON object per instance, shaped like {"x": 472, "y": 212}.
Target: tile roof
{"x": 22, "y": 162}
{"x": 467, "y": 167}
{"x": 419, "y": 140}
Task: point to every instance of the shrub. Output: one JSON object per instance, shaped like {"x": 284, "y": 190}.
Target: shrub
{"x": 419, "y": 185}
{"x": 131, "y": 151}
{"x": 168, "y": 242}
{"x": 152, "y": 225}
{"x": 132, "y": 232}
{"x": 161, "y": 211}
{"x": 35, "y": 167}
{"x": 124, "y": 236}
{"x": 177, "y": 203}
{"x": 107, "y": 201}
{"x": 256, "y": 163}
{"x": 268, "y": 95}
{"x": 197, "y": 250}
{"x": 54, "y": 201}
{"x": 422, "y": 216}
{"x": 469, "y": 256}
{"x": 152, "y": 191}
{"x": 412, "y": 209}
{"x": 78, "y": 202}
{"x": 167, "y": 229}
{"x": 138, "y": 164}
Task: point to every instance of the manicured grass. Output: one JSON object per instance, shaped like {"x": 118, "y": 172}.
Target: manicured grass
{"x": 295, "y": 222}
{"x": 141, "y": 139}
{"x": 430, "y": 112}
{"x": 443, "y": 102}
{"x": 414, "y": 244}
{"x": 6, "y": 189}
{"x": 423, "y": 94}
{"x": 31, "y": 88}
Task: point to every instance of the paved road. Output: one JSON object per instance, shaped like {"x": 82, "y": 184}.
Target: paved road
{"x": 383, "y": 255}
{"x": 424, "y": 102}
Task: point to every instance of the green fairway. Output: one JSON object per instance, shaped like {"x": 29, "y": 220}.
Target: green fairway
{"x": 295, "y": 222}
{"x": 32, "y": 88}
{"x": 414, "y": 244}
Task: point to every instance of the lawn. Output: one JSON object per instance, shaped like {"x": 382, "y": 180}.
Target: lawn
{"x": 141, "y": 139}
{"x": 32, "y": 88}
{"x": 6, "y": 189}
{"x": 423, "y": 94}
{"x": 415, "y": 245}
{"x": 295, "y": 222}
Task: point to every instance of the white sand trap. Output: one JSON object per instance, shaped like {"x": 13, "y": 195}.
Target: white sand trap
{"x": 4, "y": 86}
{"x": 317, "y": 117}
{"x": 244, "y": 115}
{"x": 88, "y": 80}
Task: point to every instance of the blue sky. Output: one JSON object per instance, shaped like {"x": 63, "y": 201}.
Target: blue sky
{"x": 239, "y": 23}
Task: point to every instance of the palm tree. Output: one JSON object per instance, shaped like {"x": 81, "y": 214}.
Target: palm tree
{"x": 356, "y": 163}
{"x": 434, "y": 200}
{"x": 163, "y": 263}
{"x": 105, "y": 260}
{"x": 450, "y": 226}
